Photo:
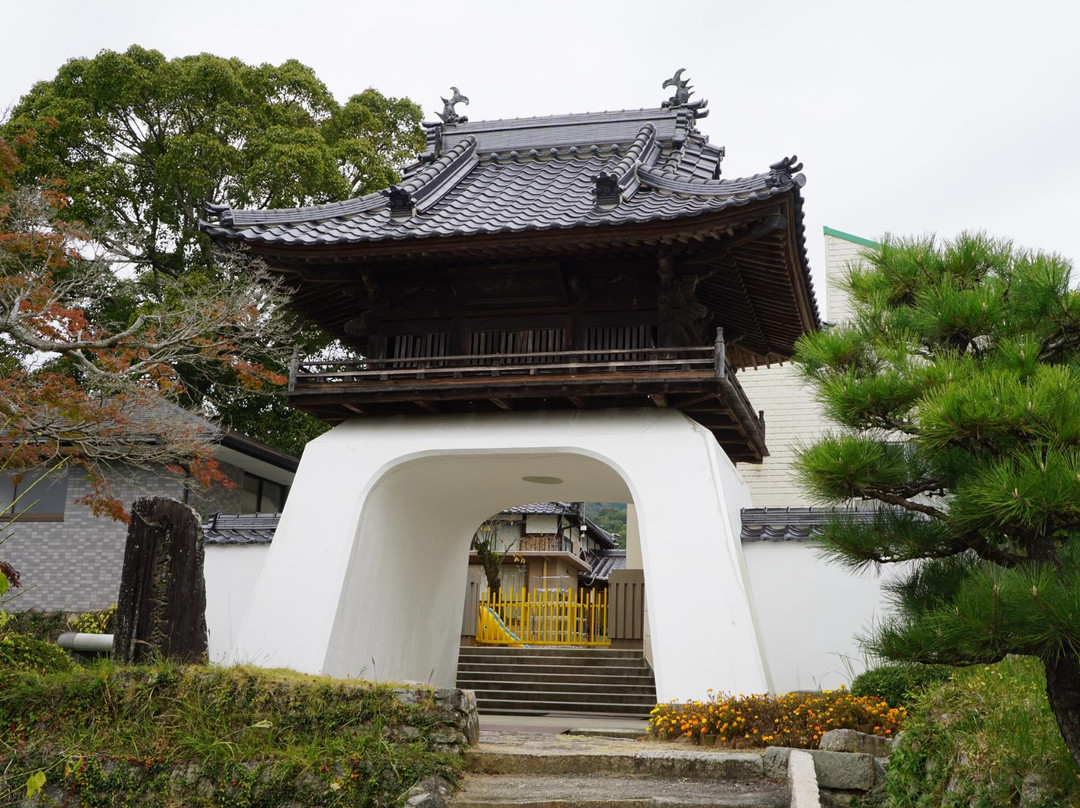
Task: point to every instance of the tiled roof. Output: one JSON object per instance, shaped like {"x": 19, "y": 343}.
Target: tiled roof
{"x": 790, "y": 524}
{"x": 564, "y": 509}
{"x": 530, "y": 174}
{"x": 608, "y": 562}
{"x": 549, "y": 508}
{"x": 240, "y": 528}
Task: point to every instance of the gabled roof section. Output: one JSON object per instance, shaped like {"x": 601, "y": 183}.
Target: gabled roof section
{"x": 560, "y": 172}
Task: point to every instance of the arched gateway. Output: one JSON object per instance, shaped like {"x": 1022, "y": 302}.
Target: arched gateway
{"x": 546, "y": 308}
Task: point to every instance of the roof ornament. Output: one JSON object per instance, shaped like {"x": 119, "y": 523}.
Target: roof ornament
{"x": 401, "y": 201}
{"x": 683, "y": 91}
{"x": 448, "y": 114}
{"x": 781, "y": 172}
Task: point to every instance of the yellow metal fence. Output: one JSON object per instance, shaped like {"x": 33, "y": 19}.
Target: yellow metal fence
{"x": 542, "y": 618}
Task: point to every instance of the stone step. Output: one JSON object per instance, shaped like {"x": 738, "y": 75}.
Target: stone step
{"x": 554, "y": 659}
{"x": 513, "y": 706}
{"x": 640, "y": 687}
{"x": 539, "y": 681}
{"x": 551, "y": 650}
{"x": 521, "y": 753}
{"x": 557, "y": 674}
{"x": 529, "y": 668}
{"x": 599, "y": 791}
{"x": 547, "y": 695}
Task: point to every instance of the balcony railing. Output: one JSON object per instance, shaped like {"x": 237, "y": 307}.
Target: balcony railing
{"x": 696, "y": 379}
{"x": 545, "y": 544}
{"x": 705, "y": 361}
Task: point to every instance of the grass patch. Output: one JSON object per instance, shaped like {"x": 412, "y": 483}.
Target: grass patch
{"x": 974, "y": 740}
{"x": 204, "y": 736}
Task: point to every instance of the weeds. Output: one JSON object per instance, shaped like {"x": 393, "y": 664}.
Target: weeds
{"x": 975, "y": 739}
{"x": 241, "y": 736}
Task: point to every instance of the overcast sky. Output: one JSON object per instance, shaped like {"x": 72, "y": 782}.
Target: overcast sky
{"x": 910, "y": 117}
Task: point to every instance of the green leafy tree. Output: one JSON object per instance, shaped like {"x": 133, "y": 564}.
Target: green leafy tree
{"x": 611, "y": 516}
{"x": 144, "y": 144}
{"x": 956, "y": 386}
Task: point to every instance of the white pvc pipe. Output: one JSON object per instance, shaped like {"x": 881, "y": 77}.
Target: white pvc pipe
{"x": 94, "y": 643}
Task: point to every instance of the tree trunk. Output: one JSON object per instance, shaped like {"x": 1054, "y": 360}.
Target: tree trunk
{"x": 1063, "y": 690}
{"x": 492, "y": 563}
{"x": 161, "y": 608}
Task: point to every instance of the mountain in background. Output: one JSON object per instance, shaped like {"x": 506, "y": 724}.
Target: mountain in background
{"x": 611, "y": 516}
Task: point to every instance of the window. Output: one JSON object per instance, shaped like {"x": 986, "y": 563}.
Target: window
{"x": 262, "y": 496}
{"x": 33, "y": 495}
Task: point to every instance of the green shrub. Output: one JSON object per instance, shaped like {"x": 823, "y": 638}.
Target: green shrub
{"x": 974, "y": 739}
{"x": 40, "y": 625}
{"x": 899, "y": 684}
{"x": 22, "y": 652}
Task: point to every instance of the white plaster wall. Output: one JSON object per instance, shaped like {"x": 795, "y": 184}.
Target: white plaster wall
{"x": 810, "y": 613}
{"x": 540, "y": 523}
{"x": 381, "y": 512}
{"x": 230, "y": 572}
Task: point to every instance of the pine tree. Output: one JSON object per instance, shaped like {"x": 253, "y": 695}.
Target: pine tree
{"x": 956, "y": 386}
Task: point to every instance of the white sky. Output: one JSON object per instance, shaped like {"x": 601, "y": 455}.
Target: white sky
{"x": 910, "y": 117}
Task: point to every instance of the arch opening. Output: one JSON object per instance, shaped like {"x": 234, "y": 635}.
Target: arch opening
{"x": 412, "y": 543}
{"x": 382, "y": 512}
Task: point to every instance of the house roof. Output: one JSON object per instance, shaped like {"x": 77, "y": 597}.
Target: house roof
{"x": 544, "y": 508}
{"x": 529, "y": 174}
{"x": 606, "y": 563}
{"x": 258, "y": 450}
{"x": 240, "y": 528}
{"x": 564, "y": 509}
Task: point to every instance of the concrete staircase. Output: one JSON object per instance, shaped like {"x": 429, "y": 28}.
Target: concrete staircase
{"x": 535, "y": 681}
{"x": 512, "y": 770}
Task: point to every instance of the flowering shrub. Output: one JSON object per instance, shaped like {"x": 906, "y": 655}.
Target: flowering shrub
{"x": 795, "y": 720}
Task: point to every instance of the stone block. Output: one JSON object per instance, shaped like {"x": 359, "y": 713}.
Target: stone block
{"x": 849, "y": 740}
{"x": 774, "y": 762}
{"x": 844, "y": 770}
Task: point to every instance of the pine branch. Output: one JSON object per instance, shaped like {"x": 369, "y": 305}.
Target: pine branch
{"x": 906, "y": 504}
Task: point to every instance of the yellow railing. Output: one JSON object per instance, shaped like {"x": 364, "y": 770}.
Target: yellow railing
{"x": 542, "y": 618}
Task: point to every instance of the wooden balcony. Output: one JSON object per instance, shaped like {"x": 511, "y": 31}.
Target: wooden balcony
{"x": 697, "y": 381}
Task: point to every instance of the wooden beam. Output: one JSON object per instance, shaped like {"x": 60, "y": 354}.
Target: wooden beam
{"x": 659, "y": 399}
{"x": 354, "y": 408}
{"x": 685, "y": 404}
{"x": 424, "y": 405}
{"x": 577, "y": 402}
{"x": 502, "y": 405}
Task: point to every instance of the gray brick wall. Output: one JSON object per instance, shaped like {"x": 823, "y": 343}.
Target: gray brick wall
{"x": 75, "y": 565}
